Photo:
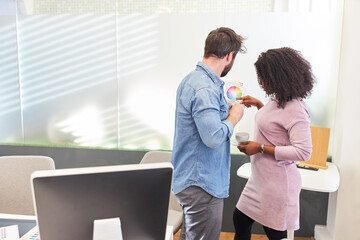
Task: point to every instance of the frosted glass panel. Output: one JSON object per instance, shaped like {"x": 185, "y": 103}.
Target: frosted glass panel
{"x": 138, "y": 45}
{"x": 315, "y": 35}
{"x": 105, "y": 73}
{"x": 69, "y": 86}
{"x": 10, "y": 107}
{"x": 170, "y": 49}
{"x": 153, "y": 58}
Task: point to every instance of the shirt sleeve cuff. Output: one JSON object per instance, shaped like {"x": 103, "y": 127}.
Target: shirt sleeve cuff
{"x": 280, "y": 153}
{"x": 230, "y": 127}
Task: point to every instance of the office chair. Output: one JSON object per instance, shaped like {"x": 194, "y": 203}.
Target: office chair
{"x": 175, "y": 214}
{"x": 15, "y": 187}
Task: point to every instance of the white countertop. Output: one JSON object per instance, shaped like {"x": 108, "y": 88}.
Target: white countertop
{"x": 322, "y": 180}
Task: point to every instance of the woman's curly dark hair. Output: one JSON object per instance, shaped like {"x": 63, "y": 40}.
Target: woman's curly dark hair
{"x": 284, "y": 74}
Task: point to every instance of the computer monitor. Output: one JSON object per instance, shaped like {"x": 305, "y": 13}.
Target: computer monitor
{"x": 67, "y": 201}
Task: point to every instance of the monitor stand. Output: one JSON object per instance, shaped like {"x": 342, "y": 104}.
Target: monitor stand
{"x": 109, "y": 229}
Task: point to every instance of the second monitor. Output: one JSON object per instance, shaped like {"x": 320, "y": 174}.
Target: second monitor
{"x": 68, "y": 201}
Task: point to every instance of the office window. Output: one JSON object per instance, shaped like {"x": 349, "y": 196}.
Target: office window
{"x": 68, "y": 76}
{"x": 10, "y": 104}
{"x": 152, "y": 6}
{"x": 104, "y": 73}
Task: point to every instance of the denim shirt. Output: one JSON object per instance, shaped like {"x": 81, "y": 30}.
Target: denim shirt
{"x": 201, "y": 151}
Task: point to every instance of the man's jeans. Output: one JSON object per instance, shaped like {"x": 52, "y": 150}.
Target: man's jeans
{"x": 202, "y": 214}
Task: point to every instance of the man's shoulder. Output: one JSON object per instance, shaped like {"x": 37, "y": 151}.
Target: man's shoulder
{"x": 197, "y": 80}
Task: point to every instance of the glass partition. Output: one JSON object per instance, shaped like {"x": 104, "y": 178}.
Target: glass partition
{"x": 10, "y": 104}
{"x": 105, "y": 73}
{"x": 68, "y": 75}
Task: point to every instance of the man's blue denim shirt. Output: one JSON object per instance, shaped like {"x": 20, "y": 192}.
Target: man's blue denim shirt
{"x": 201, "y": 150}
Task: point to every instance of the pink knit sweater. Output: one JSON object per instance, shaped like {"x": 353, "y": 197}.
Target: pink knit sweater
{"x": 271, "y": 195}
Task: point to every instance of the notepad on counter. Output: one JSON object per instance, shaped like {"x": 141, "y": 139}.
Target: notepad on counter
{"x": 9, "y": 233}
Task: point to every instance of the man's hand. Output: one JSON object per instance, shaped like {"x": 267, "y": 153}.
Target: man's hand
{"x": 249, "y": 101}
{"x": 235, "y": 113}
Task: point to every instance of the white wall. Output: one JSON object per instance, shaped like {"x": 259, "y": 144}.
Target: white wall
{"x": 344, "y": 207}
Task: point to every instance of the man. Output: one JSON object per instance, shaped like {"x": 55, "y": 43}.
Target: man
{"x": 203, "y": 127}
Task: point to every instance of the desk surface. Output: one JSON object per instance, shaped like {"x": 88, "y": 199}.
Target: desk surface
{"x": 24, "y": 222}
{"x": 27, "y": 222}
{"x": 322, "y": 180}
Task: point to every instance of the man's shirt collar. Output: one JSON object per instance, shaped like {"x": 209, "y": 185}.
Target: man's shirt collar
{"x": 214, "y": 77}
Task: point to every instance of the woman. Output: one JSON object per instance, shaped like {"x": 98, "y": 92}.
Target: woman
{"x": 282, "y": 137}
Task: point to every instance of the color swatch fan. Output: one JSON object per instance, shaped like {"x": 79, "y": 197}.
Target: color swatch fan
{"x": 234, "y": 90}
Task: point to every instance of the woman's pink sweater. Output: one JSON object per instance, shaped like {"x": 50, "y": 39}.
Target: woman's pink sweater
{"x": 271, "y": 195}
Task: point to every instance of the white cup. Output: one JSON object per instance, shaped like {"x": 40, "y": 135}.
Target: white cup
{"x": 241, "y": 137}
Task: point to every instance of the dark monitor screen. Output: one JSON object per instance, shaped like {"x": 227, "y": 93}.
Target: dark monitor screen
{"x": 67, "y": 201}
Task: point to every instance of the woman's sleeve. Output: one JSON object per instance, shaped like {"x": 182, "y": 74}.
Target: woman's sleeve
{"x": 300, "y": 140}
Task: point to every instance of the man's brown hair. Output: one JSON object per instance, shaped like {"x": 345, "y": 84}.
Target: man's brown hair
{"x": 222, "y": 41}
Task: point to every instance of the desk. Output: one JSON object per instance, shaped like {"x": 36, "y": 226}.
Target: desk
{"x": 26, "y": 222}
{"x": 322, "y": 180}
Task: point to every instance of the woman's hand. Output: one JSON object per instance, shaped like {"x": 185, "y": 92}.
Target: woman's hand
{"x": 249, "y": 101}
{"x": 249, "y": 147}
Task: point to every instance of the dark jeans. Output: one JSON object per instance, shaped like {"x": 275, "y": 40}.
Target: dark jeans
{"x": 243, "y": 226}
